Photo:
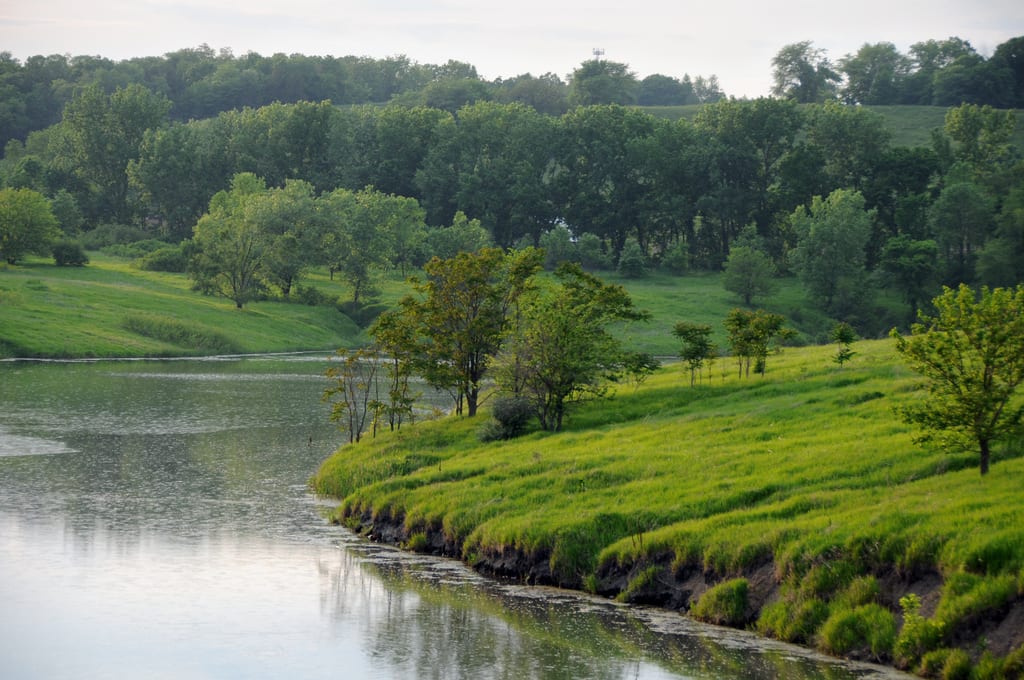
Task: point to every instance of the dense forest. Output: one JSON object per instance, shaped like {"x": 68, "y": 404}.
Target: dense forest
{"x": 360, "y": 164}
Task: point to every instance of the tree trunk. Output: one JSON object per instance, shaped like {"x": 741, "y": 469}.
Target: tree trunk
{"x": 984, "y": 445}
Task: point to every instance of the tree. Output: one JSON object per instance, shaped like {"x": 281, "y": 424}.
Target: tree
{"x": 830, "y": 252}
{"x": 972, "y": 357}
{"x": 697, "y": 347}
{"x": 749, "y": 273}
{"x": 560, "y": 353}
{"x": 27, "y": 224}
{"x": 803, "y": 73}
{"x": 354, "y": 394}
{"x": 462, "y": 315}
{"x": 231, "y": 245}
{"x": 875, "y": 75}
{"x": 602, "y": 82}
{"x": 751, "y": 335}
{"x": 913, "y": 267}
{"x": 843, "y": 335}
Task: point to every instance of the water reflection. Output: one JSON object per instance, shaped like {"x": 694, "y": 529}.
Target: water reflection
{"x": 154, "y": 522}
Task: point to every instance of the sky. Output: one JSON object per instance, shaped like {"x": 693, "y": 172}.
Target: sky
{"x": 732, "y": 39}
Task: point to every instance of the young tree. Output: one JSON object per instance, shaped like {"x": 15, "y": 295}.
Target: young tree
{"x": 697, "y": 346}
{"x": 843, "y": 335}
{"x": 560, "y": 352}
{"x": 972, "y": 356}
{"x": 751, "y": 335}
{"x": 354, "y": 394}
{"x": 463, "y": 314}
{"x": 749, "y": 273}
{"x": 27, "y": 224}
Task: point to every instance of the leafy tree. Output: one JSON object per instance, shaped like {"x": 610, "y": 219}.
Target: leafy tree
{"x": 559, "y": 352}
{"x": 27, "y": 224}
{"x": 803, "y": 73}
{"x": 632, "y": 260}
{"x": 961, "y": 219}
{"x": 749, "y": 273}
{"x": 602, "y": 82}
{"x": 231, "y": 245}
{"x": 287, "y": 218}
{"x": 661, "y": 90}
{"x": 843, "y": 335}
{"x": 972, "y": 356}
{"x": 462, "y": 315}
{"x": 852, "y": 140}
{"x": 69, "y": 254}
{"x": 103, "y": 134}
{"x": 547, "y": 94}
{"x": 874, "y": 75}
{"x": 1001, "y": 259}
{"x": 697, "y": 349}
{"x": 913, "y": 268}
{"x": 462, "y": 236}
{"x": 830, "y": 255}
{"x": 751, "y": 334}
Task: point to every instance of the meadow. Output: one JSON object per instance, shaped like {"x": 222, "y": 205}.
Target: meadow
{"x": 795, "y": 503}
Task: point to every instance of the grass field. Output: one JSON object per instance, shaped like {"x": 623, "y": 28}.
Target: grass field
{"x": 111, "y": 309}
{"x": 802, "y": 479}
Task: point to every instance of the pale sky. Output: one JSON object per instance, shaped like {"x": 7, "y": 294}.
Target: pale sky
{"x": 733, "y": 39}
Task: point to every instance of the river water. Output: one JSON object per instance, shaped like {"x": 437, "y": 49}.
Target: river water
{"x": 155, "y": 523}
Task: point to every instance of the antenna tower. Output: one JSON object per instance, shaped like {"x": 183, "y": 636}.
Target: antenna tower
{"x": 598, "y": 53}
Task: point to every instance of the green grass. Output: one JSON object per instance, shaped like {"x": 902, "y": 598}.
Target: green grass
{"x": 805, "y": 469}
{"x": 111, "y": 309}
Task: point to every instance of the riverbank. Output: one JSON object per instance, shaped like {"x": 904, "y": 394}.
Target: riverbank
{"x": 794, "y": 504}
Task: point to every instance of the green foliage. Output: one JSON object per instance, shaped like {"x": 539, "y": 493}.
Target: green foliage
{"x": 632, "y": 261}
{"x": 966, "y": 598}
{"x": 918, "y": 635}
{"x": 697, "y": 347}
{"x": 677, "y": 258}
{"x": 165, "y": 259}
{"x": 724, "y": 604}
{"x": 751, "y": 335}
{"x": 868, "y": 627}
{"x": 109, "y": 234}
{"x": 793, "y": 619}
{"x": 509, "y": 417}
{"x": 133, "y": 249}
{"x": 972, "y": 356}
{"x": 843, "y": 335}
{"x": 27, "y": 224}
{"x": 749, "y": 273}
{"x": 69, "y": 254}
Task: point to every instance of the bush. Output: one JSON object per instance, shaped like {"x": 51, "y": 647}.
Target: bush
{"x": 509, "y": 417}
{"x": 165, "y": 259}
{"x": 918, "y": 636}
{"x": 725, "y": 604}
{"x": 793, "y": 621}
{"x": 869, "y": 627}
{"x": 632, "y": 261}
{"x": 135, "y": 249}
{"x": 69, "y": 254}
{"x": 309, "y": 295}
{"x": 677, "y": 258}
{"x": 591, "y": 251}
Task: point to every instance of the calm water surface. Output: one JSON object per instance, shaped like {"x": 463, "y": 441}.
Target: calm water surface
{"x": 155, "y": 522}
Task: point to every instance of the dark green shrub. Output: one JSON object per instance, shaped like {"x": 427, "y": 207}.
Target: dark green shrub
{"x": 725, "y": 604}
{"x": 868, "y": 628}
{"x": 591, "y": 252}
{"x": 309, "y": 295}
{"x": 165, "y": 259}
{"x": 509, "y": 418}
{"x": 135, "y": 249}
{"x": 677, "y": 258}
{"x": 69, "y": 254}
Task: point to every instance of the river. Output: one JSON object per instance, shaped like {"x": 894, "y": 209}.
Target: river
{"x": 155, "y": 522}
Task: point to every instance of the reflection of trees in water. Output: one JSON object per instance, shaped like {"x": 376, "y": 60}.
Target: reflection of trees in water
{"x": 425, "y": 623}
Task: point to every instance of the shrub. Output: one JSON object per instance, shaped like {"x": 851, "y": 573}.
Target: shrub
{"x": 135, "y": 249}
{"x": 632, "y": 261}
{"x": 725, "y": 604}
{"x": 512, "y": 415}
{"x": 918, "y": 635}
{"x": 165, "y": 259}
{"x": 677, "y": 258}
{"x": 69, "y": 254}
{"x": 310, "y": 295}
{"x": 869, "y": 627}
{"x": 591, "y": 252}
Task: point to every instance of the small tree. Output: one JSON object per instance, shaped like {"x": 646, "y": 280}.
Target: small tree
{"x": 632, "y": 261}
{"x": 697, "y": 346}
{"x": 751, "y": 335}
{"x": 972, "y": 355}
{"x": 749, "y": 273}
{"x": 27, "y": 224}
{"x": 843, "y": 335}
{"x": 354, "y": 394}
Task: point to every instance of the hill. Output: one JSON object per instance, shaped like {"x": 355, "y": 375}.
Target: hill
{"x": 112, "y": 309}
{"x": 793, "y": 503}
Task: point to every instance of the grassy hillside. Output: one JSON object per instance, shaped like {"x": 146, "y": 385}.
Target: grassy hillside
{"x": 794, "y": 503}
{"x": 111, "y": 309}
